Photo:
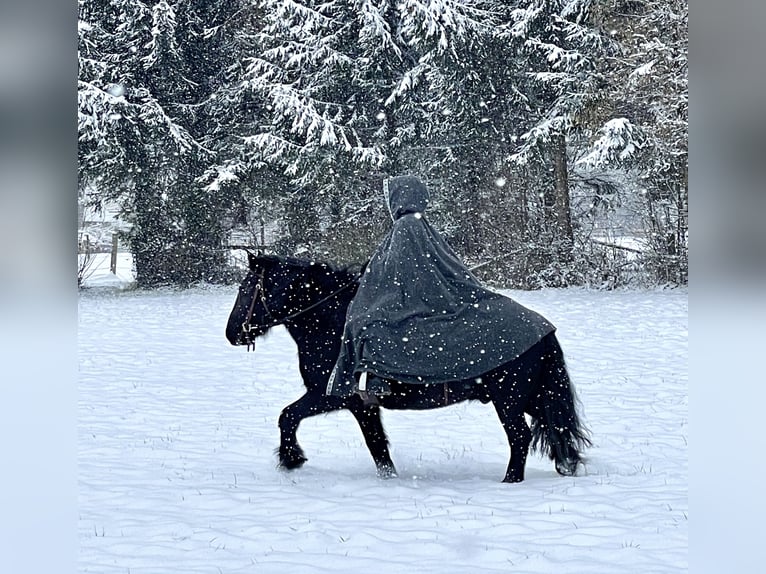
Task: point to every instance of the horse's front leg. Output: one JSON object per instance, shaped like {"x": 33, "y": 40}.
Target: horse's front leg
{"x": 368, "y": 417}
{"x": 291, "y": 454}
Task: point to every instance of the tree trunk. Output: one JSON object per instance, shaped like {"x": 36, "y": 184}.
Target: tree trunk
{"x": 682, "y": 229}
{"x": 146, "y": 236}
{"x": 562, "y": 217}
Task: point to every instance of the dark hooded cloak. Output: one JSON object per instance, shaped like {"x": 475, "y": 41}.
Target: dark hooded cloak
{"x": 420, "y": 316}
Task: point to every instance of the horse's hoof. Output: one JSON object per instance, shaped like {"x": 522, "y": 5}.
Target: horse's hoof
{"x": 292, "y": 464}
{"x": 513, "y": 479}
{"x": 387, "y": 472}
{"x": 567, "y": 468}
{"x": 291, "y": 459}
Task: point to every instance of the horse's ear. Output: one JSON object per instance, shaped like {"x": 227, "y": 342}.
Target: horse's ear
{"x": 252, "y": 260}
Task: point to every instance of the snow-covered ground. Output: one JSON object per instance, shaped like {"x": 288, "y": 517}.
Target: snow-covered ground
{"x": 176, "y": 433}
{"x": 97, "y": 273}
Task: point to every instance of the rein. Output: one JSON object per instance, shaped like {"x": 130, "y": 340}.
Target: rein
{"x": 260, "y": 294}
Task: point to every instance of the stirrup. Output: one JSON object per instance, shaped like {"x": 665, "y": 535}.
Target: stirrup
{"x": 367, "y": 398}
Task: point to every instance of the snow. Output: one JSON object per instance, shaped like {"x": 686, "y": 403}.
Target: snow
{"x": 176, "y": 433}
{"x": 98, "y": 274}
{"x": 617, "y": 141}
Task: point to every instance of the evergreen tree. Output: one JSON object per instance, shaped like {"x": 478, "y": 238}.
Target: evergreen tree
{"x": 646, "y": 134}
{"x": 142, "y": 93}
{"x": 348, "y": 86}
{"x": 560, "y": 46}
{"x": 122, "y": 124}
{"x": 286, "y": 115}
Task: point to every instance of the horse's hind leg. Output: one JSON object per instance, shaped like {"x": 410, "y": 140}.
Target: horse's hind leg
{"x": 290, "y": 452}
{"x": 368, "y": 417}
{"x": 508, "y": 397}
{"x": 519, "y": 437}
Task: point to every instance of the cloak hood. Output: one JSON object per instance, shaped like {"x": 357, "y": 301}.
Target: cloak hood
{"x": 406, "y": 194}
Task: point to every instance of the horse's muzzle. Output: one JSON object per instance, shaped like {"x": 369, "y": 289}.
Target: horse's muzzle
{"x": 237, "y": 336}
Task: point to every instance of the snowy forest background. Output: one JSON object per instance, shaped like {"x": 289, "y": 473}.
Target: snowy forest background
{"x": 552, "y": 133}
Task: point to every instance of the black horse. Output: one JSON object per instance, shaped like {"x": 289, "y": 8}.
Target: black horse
{"x": 310, "y": 300}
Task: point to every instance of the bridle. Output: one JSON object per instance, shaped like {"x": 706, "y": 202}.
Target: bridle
{"x": 259, "y": 295}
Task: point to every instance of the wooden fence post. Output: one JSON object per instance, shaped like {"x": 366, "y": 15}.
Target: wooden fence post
{"x": 113, "y": 260}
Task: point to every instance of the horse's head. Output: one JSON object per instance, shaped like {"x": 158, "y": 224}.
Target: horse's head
{"x": 278, "y": 290}
{"x": 252, "y": 315}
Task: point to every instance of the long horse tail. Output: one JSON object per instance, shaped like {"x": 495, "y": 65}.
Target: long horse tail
{"x": 556, "y": 427}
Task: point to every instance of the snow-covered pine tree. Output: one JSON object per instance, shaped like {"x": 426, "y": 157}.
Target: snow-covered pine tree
{"x": 248, "y": 194}
{"x": 318, "y": 70}
{"x": 637, "y": 160}
{"x": 128, "y": 144}
{"x": 211, "y": 39}
{"x": 474, "y": 107}
{"x": 142, "y": 94}
{"x": 348, "y": 84}
{"x": 560, "y": 47}
{"x": 650, "y": 95}
{"x": 295, "y": 110}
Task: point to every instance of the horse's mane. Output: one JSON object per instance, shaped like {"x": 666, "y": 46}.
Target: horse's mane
{"x": 349, "y": 270}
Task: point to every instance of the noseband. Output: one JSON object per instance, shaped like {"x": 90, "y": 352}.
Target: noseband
{"x": 259, "y": 295}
